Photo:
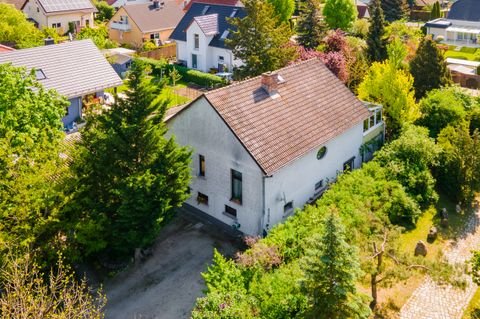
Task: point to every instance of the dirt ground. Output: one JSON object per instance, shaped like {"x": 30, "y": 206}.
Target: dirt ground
{"x": 166, "y": 285}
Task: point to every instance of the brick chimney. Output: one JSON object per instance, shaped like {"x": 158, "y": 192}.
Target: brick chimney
{"x": 270, "y": 82}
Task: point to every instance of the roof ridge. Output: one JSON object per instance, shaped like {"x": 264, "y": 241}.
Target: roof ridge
{"x": 259, "y": 76}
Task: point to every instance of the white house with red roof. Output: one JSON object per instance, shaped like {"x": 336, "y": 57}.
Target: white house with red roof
{"x": 268, "y": 145}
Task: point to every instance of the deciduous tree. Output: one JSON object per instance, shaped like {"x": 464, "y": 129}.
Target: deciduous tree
{"x": 283, "y": 9}
{"x": 260, "y": 40}
{"x": 16, "y": 29}
{"x": 26, "y": 292}
{"x": 30, "y": 164}
{"x": 340, "y": 14}
{"x": 392, "y": 88}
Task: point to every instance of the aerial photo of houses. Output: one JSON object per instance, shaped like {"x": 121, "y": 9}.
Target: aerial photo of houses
{"x": 240, "y": 159}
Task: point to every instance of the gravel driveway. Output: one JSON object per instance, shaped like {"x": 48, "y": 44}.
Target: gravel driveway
{"x": 166, "y": 285}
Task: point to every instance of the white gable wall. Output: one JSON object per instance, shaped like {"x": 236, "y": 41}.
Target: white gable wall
{"x": 200, "y": 127}
{"x": 296, "y": 181}
{"x": 44, "y": 20}
{"x": 207, "y": 56}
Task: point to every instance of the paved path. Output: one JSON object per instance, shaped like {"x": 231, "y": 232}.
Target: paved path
{"x": 431, "y": 301}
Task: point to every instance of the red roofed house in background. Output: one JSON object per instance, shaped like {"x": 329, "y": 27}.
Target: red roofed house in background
{"x": 273, "y": 143}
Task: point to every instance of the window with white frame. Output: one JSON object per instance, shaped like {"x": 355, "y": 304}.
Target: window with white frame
{"x": 374, "y": 120}
{"x": 196, "y": 41}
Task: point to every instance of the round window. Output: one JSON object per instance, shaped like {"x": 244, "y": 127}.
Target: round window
{"x": 321, "y": 152}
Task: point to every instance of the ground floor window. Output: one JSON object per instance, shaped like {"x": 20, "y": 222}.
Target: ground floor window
{"x": 230, "y": 211}
{"x": 348, "y": 166}
{"x": 288, "y": 208}
{"x": 56, "y": 25}
{"x": 202, "y": 199}
{"x": 194, "y": 61}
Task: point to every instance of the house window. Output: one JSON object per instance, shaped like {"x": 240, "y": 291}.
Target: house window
{"x": 56, "y": 25}
{"x": 38, "y": 10}
{"x": 374, "y": 120}
{"x": 236, "y": 186}
{"x": 321, "y": 152}
{"x": 196, "y": 41}
{"x": 67, "y": 111}
{"x": 87, "y": 22}
{"x": 155, "y": 36}
{"x": 319, "y": 185}
{"x": 202, "y": 199}
{"x": 201, "y": 166}
{"x": 348, "y": 166}
{"x": 221, "y": 58}
{"x": 288, "y": 208}
{"x": 194, "y": 61}
{"x": 40, "y": 75}
{"x": 230, "y": 211}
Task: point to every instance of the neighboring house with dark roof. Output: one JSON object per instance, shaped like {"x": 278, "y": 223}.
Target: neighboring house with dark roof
{"x": 200, "y": 37}
{"x": 462, "y": 25}
{"x": 154, "y": 21}
{"x": 270, "y": 144}
{"x": 18, "y": 4}
{"x": 64, "y": 15}
{"x": 76, "y": 70}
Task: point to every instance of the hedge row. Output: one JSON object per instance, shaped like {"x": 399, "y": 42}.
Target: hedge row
{"x": 188, "y": 75}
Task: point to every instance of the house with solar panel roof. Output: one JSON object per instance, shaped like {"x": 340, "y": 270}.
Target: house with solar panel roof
{"x": 63, "y": 15}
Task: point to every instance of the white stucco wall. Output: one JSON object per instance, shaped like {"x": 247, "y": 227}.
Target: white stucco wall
{"x": 207, "y": 56}
{"x": 296, "y": 181}
{"x": 202, "y": 128}
{"x": 45, "y": 20}
{"x": 436, "y": 32}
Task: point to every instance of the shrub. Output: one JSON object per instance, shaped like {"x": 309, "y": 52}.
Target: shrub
{"x": 197, "y": 77}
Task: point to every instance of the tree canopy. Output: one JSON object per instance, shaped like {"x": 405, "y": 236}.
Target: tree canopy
{"x": 340, "y": 14}
{"x": 283, "y": 9}
{"x": 260, "y": 40}
{"x": 16, "y": 29}
{"x": 130, "y": 175}
{"x": 428, "y": 68}
{"x": 309, "y": 25}
{"x": 376, "y": 42}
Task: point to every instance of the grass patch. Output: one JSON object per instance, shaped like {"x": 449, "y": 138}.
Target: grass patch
{"x": 463, "y": 55}
{"x": 473, "y": 308}
{"x": 173, "y": 99}
{"x": 468, "y": 50}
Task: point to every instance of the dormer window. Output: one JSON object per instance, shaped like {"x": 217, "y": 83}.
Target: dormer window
{"x": 205, "y": 10}
{"x": 225, "y": 34}
{"x": 39, "y": 75}
{"x": 234, "y": 12}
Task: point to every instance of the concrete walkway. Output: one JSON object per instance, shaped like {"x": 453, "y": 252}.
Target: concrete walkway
{"x": 431, "y": 301}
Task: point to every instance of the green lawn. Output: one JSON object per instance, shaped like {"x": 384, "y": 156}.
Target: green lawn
{"x": 456, "y": 222}
{"x": 465, "y": 53}
{"x": 473, "y": 309}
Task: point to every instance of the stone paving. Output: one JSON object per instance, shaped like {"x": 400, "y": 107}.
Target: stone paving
{"x": 432, "y": 301}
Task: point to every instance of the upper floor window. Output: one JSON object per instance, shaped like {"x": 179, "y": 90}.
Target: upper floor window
{"x": 374, "y": 119}
{"x": 196, "y": 41}
{"x": 201, "y": 165}
{"x": 236, "y": 186}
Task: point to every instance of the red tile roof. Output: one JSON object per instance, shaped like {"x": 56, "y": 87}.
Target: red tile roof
{"x": 221, "y": 2}
{"x": 4, "y": 48}
{"x": 312, "y": 108}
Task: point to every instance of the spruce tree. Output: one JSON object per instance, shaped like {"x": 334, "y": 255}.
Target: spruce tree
{"x": 260, "y": 40}
{"x": 394, "y": 9}
{"x": 331, "y": 268}
{"x": 131, "y": 175}
{"x": 309, "y": 26}
{"x": 428, "y": 68}
{"x": 435, "y": 13}
{"x": 376, "y": 42}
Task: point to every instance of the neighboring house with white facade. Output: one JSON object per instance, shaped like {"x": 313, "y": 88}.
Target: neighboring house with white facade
{"x": 200, "y": 37}
{"x": 461, "y": 27}
{"x": 76, "y": 70}
{"x": 270, "y": 144}
{"x": 64, "y": 15}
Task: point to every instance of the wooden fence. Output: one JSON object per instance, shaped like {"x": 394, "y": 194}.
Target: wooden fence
{"x": 168, "y": 51}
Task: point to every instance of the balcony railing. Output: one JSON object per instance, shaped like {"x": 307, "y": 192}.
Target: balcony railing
{"x": 121, "y": 26}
